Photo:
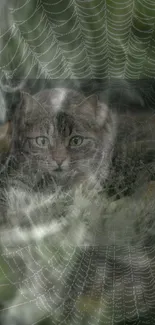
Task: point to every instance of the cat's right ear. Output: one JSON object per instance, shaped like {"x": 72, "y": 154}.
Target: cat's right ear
{"x": 27, "y": 102}
{"x": 5, "y": 137}
{"x": 24, "y": 110}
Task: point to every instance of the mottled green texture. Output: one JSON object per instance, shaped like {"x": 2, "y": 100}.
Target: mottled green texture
{"x": 78, "y": 39}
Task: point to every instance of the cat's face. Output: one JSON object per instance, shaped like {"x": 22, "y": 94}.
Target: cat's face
{"x": 61, "y": 135}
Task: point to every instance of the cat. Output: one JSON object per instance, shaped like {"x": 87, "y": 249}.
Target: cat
{"x": 29, "y": 210}
{"x": 60, "y": 136}
{"x": 60, "y": 139}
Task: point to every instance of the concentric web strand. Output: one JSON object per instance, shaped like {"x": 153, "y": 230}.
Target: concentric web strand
{"x": 77, "y": 39}
{"x": 110, "y": 282}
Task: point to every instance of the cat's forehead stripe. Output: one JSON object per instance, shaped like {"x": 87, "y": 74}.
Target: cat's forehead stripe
{"x": 57, "y": 101}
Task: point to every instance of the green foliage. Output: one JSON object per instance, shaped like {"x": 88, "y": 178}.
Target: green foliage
{"x": 78, "y": 39}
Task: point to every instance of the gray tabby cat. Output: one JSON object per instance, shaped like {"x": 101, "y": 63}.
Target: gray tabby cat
{"x": 60, "y": 137}
{"x": 60, "y": 140}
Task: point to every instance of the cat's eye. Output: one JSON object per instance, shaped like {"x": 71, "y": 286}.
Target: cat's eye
{"x": 76, "y": 141}
{"x": 42, "y": 141}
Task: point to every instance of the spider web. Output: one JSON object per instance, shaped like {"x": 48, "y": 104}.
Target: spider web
{"x": 110, "y": 282}
{"x": 77, "y": 39}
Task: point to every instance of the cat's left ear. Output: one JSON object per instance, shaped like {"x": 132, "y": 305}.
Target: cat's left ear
{"x": 100, "y": 109}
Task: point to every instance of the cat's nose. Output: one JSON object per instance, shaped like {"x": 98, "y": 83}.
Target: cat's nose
{"x": 59, "y": 162}
{"x": 59, "y": 157}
